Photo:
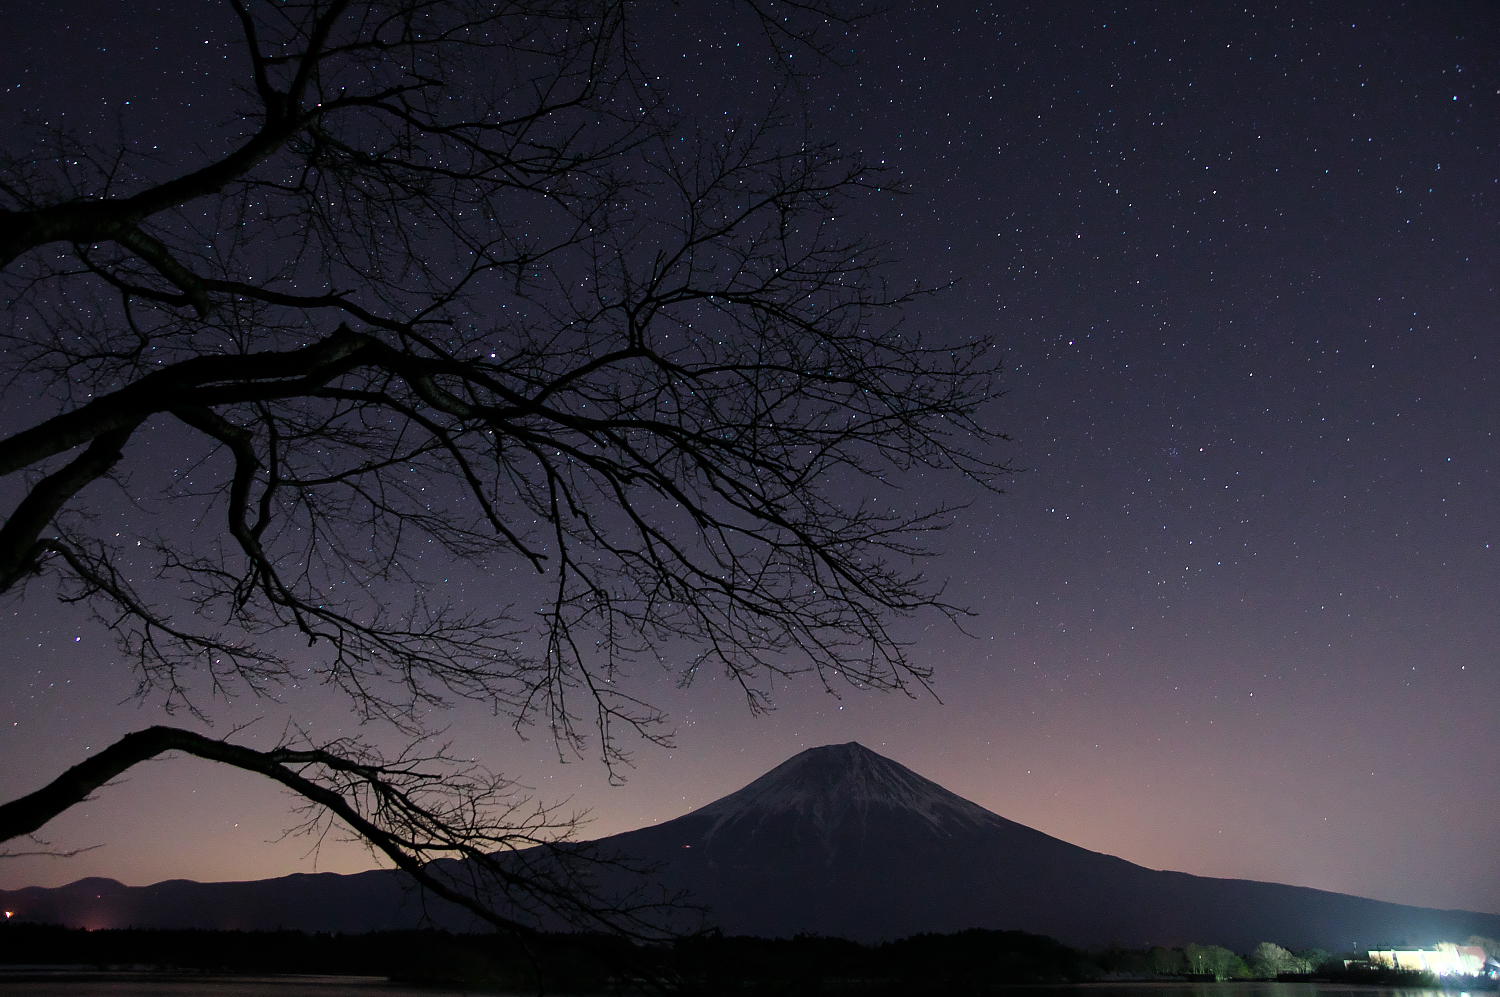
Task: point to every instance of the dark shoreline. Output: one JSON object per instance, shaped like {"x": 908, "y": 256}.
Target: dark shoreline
{"x": 970, "y": 962}
{"x": 364, "y": 983}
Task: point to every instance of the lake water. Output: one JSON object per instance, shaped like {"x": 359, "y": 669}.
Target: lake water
{"x": 125, "y": 985}
{"x": 1228, "y": 989}
{"x": 115, "y": 985}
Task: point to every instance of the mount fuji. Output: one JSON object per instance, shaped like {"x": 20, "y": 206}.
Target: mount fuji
{"x": 842, "y": 841}
{"x": 836, "y": 841}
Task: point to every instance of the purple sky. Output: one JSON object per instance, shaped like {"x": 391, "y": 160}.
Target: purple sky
{"x": 1238, "y": 616}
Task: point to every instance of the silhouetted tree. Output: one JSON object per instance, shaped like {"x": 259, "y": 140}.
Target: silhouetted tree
{"x": 1166, "y": 961}
{"x": 461, "y": 284}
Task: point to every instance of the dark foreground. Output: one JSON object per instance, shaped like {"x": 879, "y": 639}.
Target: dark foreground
{"x": 969, "y": 962}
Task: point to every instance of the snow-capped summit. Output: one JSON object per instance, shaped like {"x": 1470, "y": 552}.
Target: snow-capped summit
{"x": 837, "y": 785}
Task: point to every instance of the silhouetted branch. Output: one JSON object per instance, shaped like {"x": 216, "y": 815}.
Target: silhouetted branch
{"x": 413, "y": 811}
{"x": 463, "y": 289}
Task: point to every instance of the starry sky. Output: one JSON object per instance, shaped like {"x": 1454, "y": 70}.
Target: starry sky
{"x": 1235, "y": 616}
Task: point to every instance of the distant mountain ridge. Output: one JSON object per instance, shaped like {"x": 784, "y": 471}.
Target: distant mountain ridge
{"x": 838, "y": 841}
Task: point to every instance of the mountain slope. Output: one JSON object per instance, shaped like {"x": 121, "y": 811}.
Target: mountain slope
{"x": 842, "y": 841}
{"x": 839, "y": 841}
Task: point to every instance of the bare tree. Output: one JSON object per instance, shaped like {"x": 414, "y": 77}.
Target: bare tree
{"x": 462, "y": 286}
{"x": 411, "y": 810}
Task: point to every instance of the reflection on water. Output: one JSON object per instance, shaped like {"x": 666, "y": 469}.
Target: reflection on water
{"x": 1228, "y": 989}
{"x": 116, "y": 985}
{"x": 126, "y": 985}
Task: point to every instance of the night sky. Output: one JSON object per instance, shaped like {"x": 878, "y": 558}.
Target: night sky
{"x": 1236, "y": 616}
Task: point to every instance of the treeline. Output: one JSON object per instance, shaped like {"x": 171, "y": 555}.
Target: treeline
{"x": 1267, "y": 961}
{"x": 968, "y": 962}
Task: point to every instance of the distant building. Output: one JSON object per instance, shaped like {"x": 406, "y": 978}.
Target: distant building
{"x": 1445, "y": 959}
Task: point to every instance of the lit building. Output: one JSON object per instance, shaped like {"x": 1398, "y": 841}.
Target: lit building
{"x": 1446, "y": 959}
